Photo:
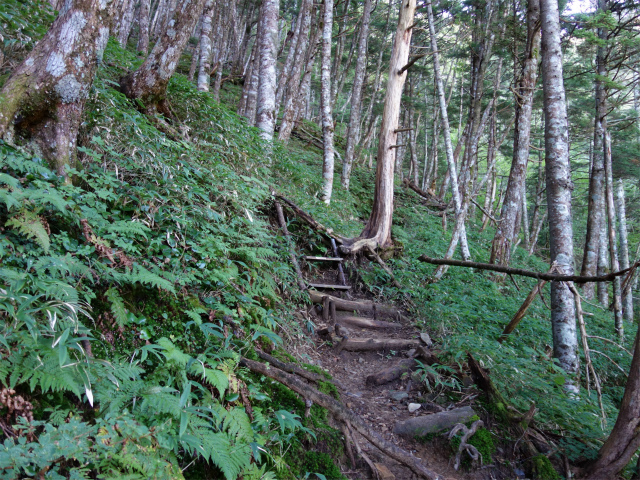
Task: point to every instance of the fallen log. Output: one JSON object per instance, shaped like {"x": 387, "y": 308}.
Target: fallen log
{"x": 434, "y": 422}
{"x": 355, "y": 306}
{"x": 404, "y": 366}
{"x": 435, "y": 201}
{"x": 365, "y": 322}
{"x": 309, "y": 219}
{"x": 342, "y": 414}
{"x": 371, "y": 344}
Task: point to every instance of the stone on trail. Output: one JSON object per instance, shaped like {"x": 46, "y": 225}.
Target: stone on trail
{"x": 433, "y": 423}
{"x": 413, "y": 407}
{"x": 426, "y": 339}
{"x": 398, "y": 396}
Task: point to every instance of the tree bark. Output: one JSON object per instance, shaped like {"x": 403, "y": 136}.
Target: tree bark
{"x": 124, "y": 28}
{"x": 205, "y": 46}
{"x": 377, "y": 232}
{"x": 353, "y": 130}
{"x": 149, "y": 83}
{"x": 247, "y": 105}
{"x": 457, "y": 201}
{"x": 268, "y": 49}
{"x": 514, "y": 196}
{"x": 596, "y": 178}
{"x": 45, "y": 95}
{"x": 327, "y": 116}
{"x": 613, "y": 243}
{"x": 627, "y": 300}
{"x": 559, "y": 186}
{"x": 143, "y": 25}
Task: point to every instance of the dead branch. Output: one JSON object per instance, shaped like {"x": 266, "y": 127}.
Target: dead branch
{"x": 384, "y": 266}
{"x": 292, "y": 248}
{"x": 343, "y": 414}
{"x": 309, "y": 220}
{"x": 554, "y": 277}
{"x": 435, "y": 201}
{"x": 522, "y": 311}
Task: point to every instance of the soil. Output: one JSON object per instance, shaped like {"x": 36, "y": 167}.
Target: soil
{"x": 376, "y": 405}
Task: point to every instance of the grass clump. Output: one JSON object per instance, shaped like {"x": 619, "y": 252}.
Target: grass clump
{"x": 542, "y": 469}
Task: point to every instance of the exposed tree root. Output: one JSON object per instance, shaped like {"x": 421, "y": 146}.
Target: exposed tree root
{"x": 292, "y": 368}
{"x": 467, "y": 433}
{"x": 342, "y": 414}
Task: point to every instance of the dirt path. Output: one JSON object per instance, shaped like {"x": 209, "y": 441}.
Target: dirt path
{"x": 381, "y": 406}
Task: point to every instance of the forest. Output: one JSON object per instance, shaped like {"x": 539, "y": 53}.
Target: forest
{"x": 320, "y": 239}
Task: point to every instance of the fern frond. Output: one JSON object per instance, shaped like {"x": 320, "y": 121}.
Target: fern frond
{"x": 30, "y": 225}
{"x": 117, "y": 307}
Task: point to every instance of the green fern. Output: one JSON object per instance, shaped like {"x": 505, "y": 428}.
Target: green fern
{"x": 117, "y": 307}
{"x": 30, "y": 225}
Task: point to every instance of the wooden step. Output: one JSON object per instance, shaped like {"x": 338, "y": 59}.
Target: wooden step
{"x": 323, "y": 259}
{"x": 363, "y": 322}
{"x": 371, "y": 344}
{"x": 330, "y": 287}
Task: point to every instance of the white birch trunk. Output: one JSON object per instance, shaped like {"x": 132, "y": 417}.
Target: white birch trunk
{"x": 627, "y": 300}
{"x": 268, "y": 49}
{"x": 124, "y": 29}
{"x": 143, "y": 24}
{"x": 353, "y": 131}
{"x": 325, "y": 98}
{"x": 459, "y": 232}
{"x": 205, "y": 47}
{"x": 559, "y": 186}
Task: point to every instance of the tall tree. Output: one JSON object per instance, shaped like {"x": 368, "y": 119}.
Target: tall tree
{"x": 149, "y": 83}
{"x": 143, "y": 24}
{"x": 377, "y": 232}
{"x": 627, "y": 298}
{"x": 514, "y": 196}
{"x": 325, "y": 98}
{"x": 559, "y": 186}
{"x": 353, "y": 131}
{"x": 45, "y": 96}
{"x": 205, "y": 46}
{"x": 267, "y": 51}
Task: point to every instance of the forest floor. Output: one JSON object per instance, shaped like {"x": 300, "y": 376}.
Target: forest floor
{"x": 385, "y": 405}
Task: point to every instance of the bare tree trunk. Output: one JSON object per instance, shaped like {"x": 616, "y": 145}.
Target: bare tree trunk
{"x": 595, "y": 211}
{"x": 268, "y": 49}
{"x": 353, "y": 130}
{"x": 45, "y": 95}
{"x": 296, "y": 52}
{"x": 293, "y": 86}
{"x": 229, "y": 28}
{"x": 377, "y": 232}
{"x": 603, "y": 258}
{"x": 613, "y": 243}
{"x": 247, "y": 105}
{"x": 559, "y": 185}
{"x": 205, "y": 46}
{"x": 327, "y": 116}
{"x": 149, "y": 83}
{"x": 143, "y": 25}
{"x": 627, "y": 300}
{"x": 624, "y": 440}
{"x": 505, "y": 233}
{"x": 460, "y": 231}
{"x": 339, "y": 52}
{"x": 126, "y": 22}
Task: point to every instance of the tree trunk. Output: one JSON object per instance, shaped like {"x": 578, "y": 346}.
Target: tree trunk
{"x": 559, "y": 186}
{"x": 596, "y": 178}
{"x": 377, "y": 232}
{"x": 268, "y": 49}
{"x": 205, "y": 46}
{"x": 457, "y": 202}
{"x": 337, "y": 61}
{"x": 247, "y": 106}
{"x": 149, "y": 83}
{"x": 325, "y": 98}
{"x": 124, "y": 28}
{"x": 514, "y": 196}
{"x": 627, "y": 300}
{"x": 353, "y": 130}
{"x": 143, "y": 25}
{"x": 613, "y": 243}
{"x": 229, "y": 29}
{"x": 293, "y": 83}
{"x": 624, "y": 440}
{"x": 45, "y": 95}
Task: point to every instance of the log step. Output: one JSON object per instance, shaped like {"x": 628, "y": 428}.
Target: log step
{"x": 323, "y": 259}
{"x": 363, "y": 322}
{"x": 371, "y": 344}
{"x": 354, "y": 306}
{"x": 330, "y": 287}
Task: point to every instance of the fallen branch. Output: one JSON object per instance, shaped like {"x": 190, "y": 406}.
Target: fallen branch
{"x": 436, "y": 202}
{"x": 384, "y": 266}
{"x": 522, "y": 311}
{"x": 310, "y": 220}
{"x": 495, "y": 222}
{"x": 554, "y": 277}
{"x": 343, "y": 414}
{"x": 292, "y": 368}
{"x": 292, "y": 250}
